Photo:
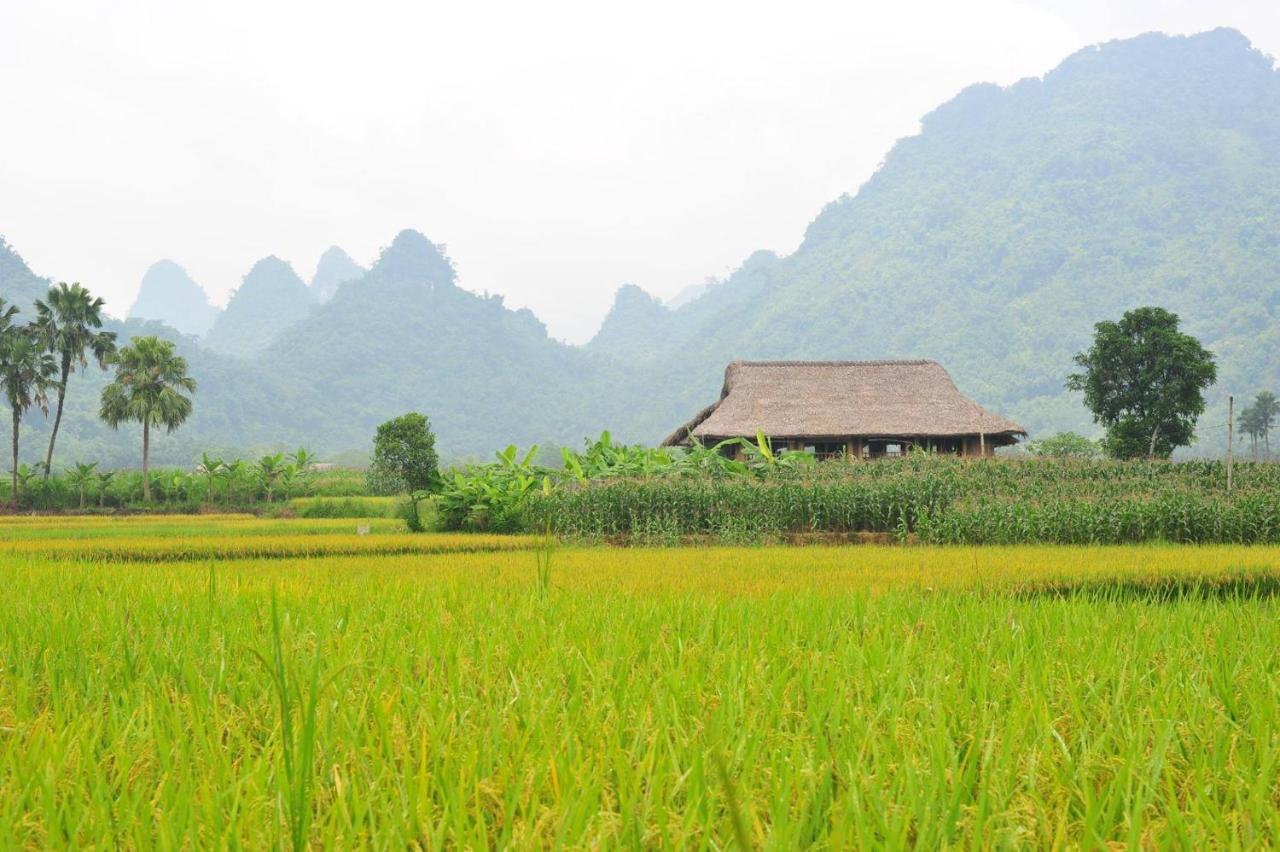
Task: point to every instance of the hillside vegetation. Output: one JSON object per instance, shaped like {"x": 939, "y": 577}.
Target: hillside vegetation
{"x": 1143, "y": 172}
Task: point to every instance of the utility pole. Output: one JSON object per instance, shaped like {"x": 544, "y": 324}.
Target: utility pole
{"x": 1231, "y": 418}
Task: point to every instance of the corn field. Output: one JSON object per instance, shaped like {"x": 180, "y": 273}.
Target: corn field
{"x": 933, "y": 500}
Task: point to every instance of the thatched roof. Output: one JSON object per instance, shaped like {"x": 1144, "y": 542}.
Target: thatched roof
{"x": 829, "y": 399}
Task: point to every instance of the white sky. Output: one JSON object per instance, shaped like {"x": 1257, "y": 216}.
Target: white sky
{"x": 558, "y": 149}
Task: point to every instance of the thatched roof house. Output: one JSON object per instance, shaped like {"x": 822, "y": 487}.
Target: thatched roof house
{"x": 862, "y": 409}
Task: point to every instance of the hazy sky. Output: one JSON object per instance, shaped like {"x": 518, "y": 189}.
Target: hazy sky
{"x": 558, "y": 149}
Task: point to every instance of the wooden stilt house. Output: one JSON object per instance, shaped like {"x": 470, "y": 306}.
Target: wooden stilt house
{"x": 851, "y": 409}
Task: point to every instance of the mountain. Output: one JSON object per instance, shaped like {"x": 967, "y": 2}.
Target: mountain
{"x": 408, "y": 338}
{"x": 170, "y": 296}
{"x": 334, "y": 269}
{"x": 270, "y": 299}
{"x": 631, "y": 322}
{"x": 1138, "y": 172}
{"x": 19, "y": 286}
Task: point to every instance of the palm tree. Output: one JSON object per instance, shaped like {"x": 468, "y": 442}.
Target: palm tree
{"x": 27, "y": 372}
{"x": 148, "y": 389}
{"x": 1267, "y": 407}
{"x": 1248, "y": 425}
{"x": 68, "y": 324}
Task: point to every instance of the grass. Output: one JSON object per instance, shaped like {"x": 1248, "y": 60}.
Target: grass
{"x": 843, "y": 697}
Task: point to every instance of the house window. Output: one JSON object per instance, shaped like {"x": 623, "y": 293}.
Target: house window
{"x": 826, "y": 450}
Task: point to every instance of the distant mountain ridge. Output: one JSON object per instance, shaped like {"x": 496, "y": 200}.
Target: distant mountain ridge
{"x": 270, "y": 299}
{"x": 1144, "y": 171}
{"x": 169, "y": 295}
{"x": 18, "y": 284}
{"x": 334, "y": 269}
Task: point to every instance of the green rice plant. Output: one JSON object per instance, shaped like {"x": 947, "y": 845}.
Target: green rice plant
{"x": 345, "y": 507}
{"x": 818, "y": 697}
{"x": 298, "y": 747}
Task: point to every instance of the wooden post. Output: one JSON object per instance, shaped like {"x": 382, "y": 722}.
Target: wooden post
{"x": 1231, "y": 416}
{"x": 982, "y": 445}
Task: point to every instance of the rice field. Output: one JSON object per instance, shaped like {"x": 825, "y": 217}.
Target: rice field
{"x": 511, "y": 695}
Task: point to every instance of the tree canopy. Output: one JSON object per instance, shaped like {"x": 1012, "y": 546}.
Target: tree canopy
{"x": 405, "y": 448}
{"x": 1144, "y": 381}
{"x": 151, "y": 387}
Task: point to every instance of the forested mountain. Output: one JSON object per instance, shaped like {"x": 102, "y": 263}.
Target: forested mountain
{"x": 334, "y": 269}
{"x": 1140, "y": 172}
{"x": 168, "y": 295}
{"x": 1144, "y": 171}
{"x": 408, "y": 338}
{"x": 270, "y": 299}
{"x": 18, "y": 284}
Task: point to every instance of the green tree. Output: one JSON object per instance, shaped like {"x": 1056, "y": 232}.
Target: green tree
{"x": 26, "y": 373}
{"x": 405, "y": 448}
{"x": 1267, "y": 408}
{"x": 150, "y": 388}
{"x": 69, "y": 322}
{"x": 1248, "y": 423}
{"x": 1144, "y": 381}
{"x": 1065, "y": 445}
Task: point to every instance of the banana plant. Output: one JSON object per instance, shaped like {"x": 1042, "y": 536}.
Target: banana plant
{"x": 80, "y": 476}
{"x": 270, "y": 468}
{"x": 232, "y": 471}
{"x": 289, "y": 477}
{"x": 23, "y": 475}
{"x": 104, "y": 482}
{"x": 210, "y": 468}
{"x": 303, "y": 459}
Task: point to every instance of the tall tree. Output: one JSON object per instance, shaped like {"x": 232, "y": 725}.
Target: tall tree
{"x": 1144, "y": 381}
{"x": 1247, "y": 422}
{"x": 27, "y": 372}
{"x": 1267, "y": 408}
{"x": 150, "y": 388}
{"x": 69, "y": 321}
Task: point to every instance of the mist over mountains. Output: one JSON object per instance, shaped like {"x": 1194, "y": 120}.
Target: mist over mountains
{"x": 1144, "y": 171}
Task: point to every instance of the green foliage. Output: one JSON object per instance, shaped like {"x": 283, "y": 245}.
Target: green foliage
{"x": 933, "y": 499}
{"x": 491, "y": 497}
{"x": 1257, "y": 419}
{"x": 27, "y": 373}
{"x": 820, "y": 698}
{"x": 270, "y": 469}
{"x": 346, "y": 507}
{"x": 69, "y": 323}
{"x": 404, "y": 450}
{"x": 150, "y": 388}
{"x": 80, "y": 476}
{"x": 1065, "y": 445}
{"x": 1144, "y": 381}
{"x": 495, "y": 496}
